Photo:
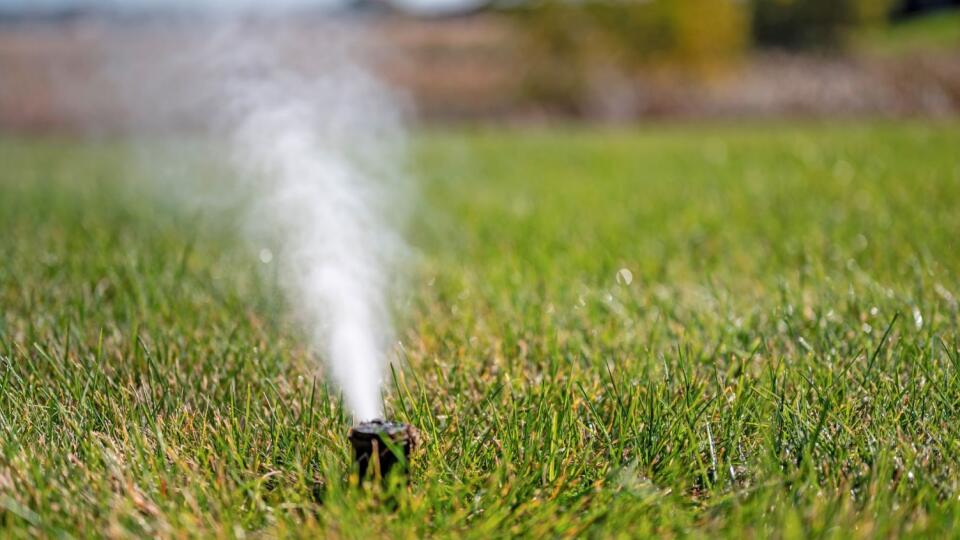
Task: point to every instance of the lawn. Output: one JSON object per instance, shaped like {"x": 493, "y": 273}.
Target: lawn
{"x": 672, "y": 331}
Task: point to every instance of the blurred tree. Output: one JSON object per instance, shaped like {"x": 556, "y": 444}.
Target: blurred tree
{"x": 822, "y": 24}
{"x": 907, "y": 8}
{"x": 570, "y": 41}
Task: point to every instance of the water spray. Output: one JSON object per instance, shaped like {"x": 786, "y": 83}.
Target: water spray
{"x": 316, "y": 160}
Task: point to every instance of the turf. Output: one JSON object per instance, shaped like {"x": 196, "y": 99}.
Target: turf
{"x": 782, "y": 359}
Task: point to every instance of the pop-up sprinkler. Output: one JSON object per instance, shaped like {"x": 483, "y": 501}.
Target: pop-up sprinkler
{"x": 378, "y": 445}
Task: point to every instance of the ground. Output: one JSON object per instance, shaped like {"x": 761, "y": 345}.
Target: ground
{"x": 702, "y": 330}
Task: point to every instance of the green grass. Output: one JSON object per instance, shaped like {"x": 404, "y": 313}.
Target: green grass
{"x": 785, "y": 361}
{"x": 939, "y": 31}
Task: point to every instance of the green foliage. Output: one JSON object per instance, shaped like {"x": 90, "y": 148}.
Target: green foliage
{"x": 813, "y": 23}
{"x": 570, "y": 42}
{"x": 783, "y": 362}
{"x": 938, "y": 31}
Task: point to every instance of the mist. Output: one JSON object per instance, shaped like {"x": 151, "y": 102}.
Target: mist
{"x": 315, "y": 162}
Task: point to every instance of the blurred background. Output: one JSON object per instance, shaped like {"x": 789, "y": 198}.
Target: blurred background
{"x": 518, "y": 60}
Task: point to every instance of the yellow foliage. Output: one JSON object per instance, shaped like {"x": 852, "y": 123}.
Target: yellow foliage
{"x": 569, "y": 42}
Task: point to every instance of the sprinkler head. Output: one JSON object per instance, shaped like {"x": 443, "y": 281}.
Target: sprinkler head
{"x": 378, "y": 445}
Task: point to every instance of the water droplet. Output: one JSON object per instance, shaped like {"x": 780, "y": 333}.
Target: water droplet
{"x": 917, "y": 318}
{"x": 624, "y": 276}
{"x": 843, "y": 171}
{"x": 860, "y": 243}
{"x": 266, "y": 256}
